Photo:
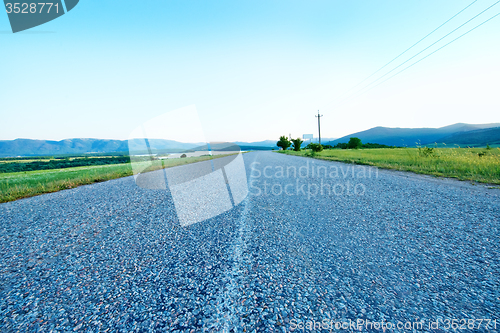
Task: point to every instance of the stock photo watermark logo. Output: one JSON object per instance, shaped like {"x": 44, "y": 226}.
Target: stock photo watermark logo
{"x": 211, "y": 178}
{"x": 25, "y": 15}
{"x": 309, "y": 180}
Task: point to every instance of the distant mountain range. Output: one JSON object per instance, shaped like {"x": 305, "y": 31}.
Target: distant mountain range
{"x": 457, "y": 134}
{"x": 28, "y": 147}
{"x": 460, "y": 134}
{"x": 267, "y": 144}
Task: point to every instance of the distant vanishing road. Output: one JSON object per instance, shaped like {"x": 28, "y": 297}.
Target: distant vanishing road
{"x": 386, "y": 248}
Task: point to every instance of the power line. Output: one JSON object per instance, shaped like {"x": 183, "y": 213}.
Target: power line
{"x": 361, "y": 92}
{"x": 408, "y": 49}
{"x": 440, "y": 39}
{"x": 416, "y": 62}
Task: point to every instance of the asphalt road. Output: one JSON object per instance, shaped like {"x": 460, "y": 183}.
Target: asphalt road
{"x": 385, "y": 247}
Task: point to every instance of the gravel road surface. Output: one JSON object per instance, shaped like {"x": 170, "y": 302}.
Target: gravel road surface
{"x": 380, "y": 246}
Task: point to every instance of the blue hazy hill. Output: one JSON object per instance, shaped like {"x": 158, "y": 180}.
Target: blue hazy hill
{"x": 410, "y": 137}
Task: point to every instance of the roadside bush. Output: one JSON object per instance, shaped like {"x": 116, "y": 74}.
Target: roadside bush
{"x": 340, "y": 145}
{"x": 426, "y": 152}
{"x": 376, "y": 145}
{"x": 315, "y": 147}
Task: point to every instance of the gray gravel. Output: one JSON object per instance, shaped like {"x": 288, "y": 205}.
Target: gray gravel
{"x": 113, "y": 257}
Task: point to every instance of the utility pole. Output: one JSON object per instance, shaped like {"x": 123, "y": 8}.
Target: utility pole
{"x": 319, "y": 127}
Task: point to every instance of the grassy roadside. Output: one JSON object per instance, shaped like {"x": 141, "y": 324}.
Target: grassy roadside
{"x": 474, "y": 164}
{"x": 19, "y": 185}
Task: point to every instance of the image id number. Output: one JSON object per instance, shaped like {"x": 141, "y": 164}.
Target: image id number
{"x": 31, "y": 8}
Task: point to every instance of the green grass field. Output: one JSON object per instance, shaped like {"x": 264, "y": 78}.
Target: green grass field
{"x": 474, "y": 164}
{"x": 19, "y": 185}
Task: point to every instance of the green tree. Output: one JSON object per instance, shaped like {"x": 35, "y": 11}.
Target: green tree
{"x": 315, "y": 147}
{"x": 296, "y": 144}
{"x": 283, "y": 142}
{"x": 354, "y": 143}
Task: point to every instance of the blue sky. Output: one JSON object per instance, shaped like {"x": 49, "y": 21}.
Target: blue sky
{"x": 254, "y": 69}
